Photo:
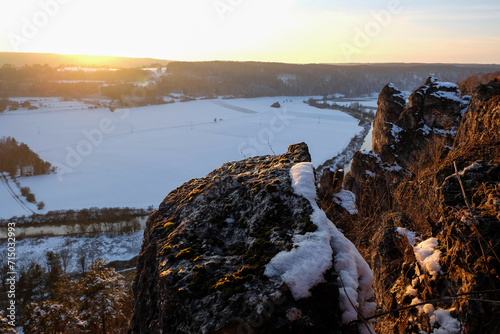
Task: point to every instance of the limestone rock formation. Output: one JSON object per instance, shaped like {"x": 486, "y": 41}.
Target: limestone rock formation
{"x": 205, "y": 251}
{"x": 391, "y": 103}
{"x": 436, "y": 235}
{"x": 330, "y": 183}
{"x": 434, "y": 112}
{"x": 401, "y": 133}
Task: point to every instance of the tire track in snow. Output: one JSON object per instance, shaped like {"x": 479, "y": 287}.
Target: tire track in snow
{"x": 233, "y": 107}
{"x": 220, "y": 103}
{"x": 21, "y": 203}
{"x": 128, "y": 132}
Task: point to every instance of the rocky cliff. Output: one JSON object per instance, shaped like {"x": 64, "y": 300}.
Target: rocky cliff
{"x": 402, "y": 134}
{"x": 433, "y": 234}
{"x": 247, "y": 250}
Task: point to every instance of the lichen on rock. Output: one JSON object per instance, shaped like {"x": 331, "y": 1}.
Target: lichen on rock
{"x": 205, "y": 251}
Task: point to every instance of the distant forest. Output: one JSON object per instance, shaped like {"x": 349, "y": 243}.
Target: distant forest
{"x": 253, "y": 79}
{"x": 221, "y": 78}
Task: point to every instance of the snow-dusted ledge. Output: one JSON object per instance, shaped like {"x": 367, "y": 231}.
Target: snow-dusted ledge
{"x": 428, "y": 259}
{"x": 304, "y": 266}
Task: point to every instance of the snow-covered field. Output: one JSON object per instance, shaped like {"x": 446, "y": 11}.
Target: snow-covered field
{"x": 135, "y": 157}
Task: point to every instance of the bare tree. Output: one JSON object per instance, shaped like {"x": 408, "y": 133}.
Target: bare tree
{"x": 66, "y": 257}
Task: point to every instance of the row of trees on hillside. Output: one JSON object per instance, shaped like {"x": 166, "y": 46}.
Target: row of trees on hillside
{"x": 355, "y": 109}
{"x": 127, "y": 216}
{"x": 18, "y": 159}
{"x": 221, "y": 78}
{"x": 252, "y": 79}
{"x": 45, "y": 73}
{"x": 43, "y": 81}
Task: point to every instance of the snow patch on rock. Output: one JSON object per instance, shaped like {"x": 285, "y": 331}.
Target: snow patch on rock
{"x": 446, "y": 85}
{"x": 447, "y": 95}
{"x": 447, "y": 324}
{"x": 304, "y": 266}
{"x": 428, "y": 256}
{"x": 410, "y": 235}
{"x": 347, "y": 200}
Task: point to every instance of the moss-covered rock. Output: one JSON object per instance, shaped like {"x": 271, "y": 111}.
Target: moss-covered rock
{"x": 201, "y": 268}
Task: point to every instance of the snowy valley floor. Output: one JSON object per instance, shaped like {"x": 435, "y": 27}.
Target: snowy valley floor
{"x": 135, "y": 157}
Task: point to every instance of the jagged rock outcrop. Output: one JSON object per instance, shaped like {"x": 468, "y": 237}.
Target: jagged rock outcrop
{"x": 434, "y": 112}
{"x": 330, "y": 183}
{"x": 205, "y": 252}
{"x": 401, "y": 132}
{"x": 427, "y": 248}
{"x": 391, "y": 103}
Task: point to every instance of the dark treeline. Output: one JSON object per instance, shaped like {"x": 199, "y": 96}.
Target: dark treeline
{"x": 18, "y": 159}
{"x": 45, "y": 81}
{"x": 222, "y": 78}
{"x": 82, "y": 217}
{"x": 356, "y": 109}
{"x": 253, "y": 79}
{"x": 47, "y": 73}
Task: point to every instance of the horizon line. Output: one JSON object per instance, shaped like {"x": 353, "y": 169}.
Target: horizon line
{"x": 249, "y": 61}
